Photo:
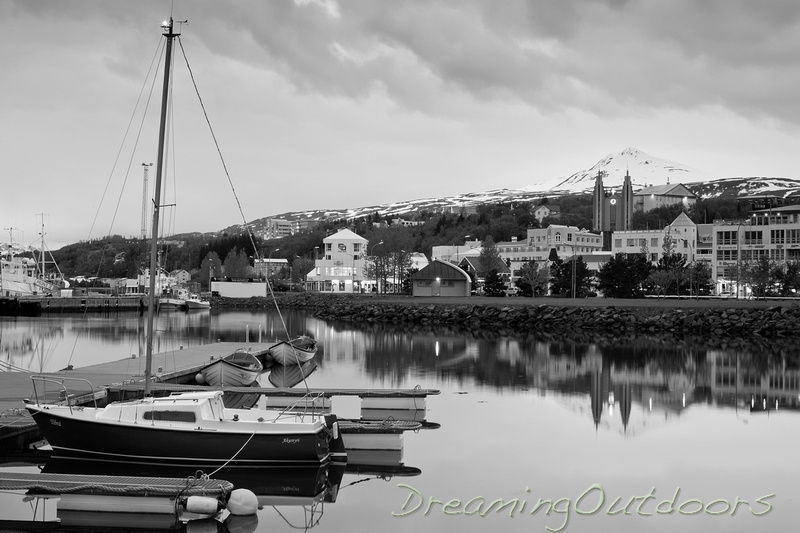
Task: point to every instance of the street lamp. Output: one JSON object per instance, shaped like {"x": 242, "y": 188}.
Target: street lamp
{"x": 269, "y": 262}
{"x": 691, "y": 269}
{"x": 375, "y": 264}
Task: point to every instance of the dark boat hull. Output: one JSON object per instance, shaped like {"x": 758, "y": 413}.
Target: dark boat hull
{"x": 80, "y": 438}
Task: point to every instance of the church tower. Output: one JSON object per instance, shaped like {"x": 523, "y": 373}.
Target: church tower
{"x": 599, "y": 206}
{"x": 612, "y": 211}
{"x": 624, "y": 218}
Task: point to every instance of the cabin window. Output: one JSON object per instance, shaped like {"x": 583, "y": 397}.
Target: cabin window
{"x": 170, "y": 416}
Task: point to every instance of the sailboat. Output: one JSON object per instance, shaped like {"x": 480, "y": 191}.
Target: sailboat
{"x": 190, "y": 428}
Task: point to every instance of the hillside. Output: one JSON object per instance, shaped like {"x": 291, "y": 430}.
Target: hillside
{"x": 645, "y": 170}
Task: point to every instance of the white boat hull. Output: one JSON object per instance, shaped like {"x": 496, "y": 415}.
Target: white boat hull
{"x": 293, "y": 352}
{"x": 238, "y": 369}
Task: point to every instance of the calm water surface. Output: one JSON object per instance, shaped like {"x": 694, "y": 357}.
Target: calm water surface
{"x": 625, "y": 436}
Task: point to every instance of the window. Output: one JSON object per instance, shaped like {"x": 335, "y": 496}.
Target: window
{"x": 777, "y": 236}
{"x": 170, "y": 416}
{"x": 558, "y": 237}
{"x": 726, "y": 237}
{"x": 753, "y": 237}
{"x": 617, "y": 243}
{"x": 654, "y": 242}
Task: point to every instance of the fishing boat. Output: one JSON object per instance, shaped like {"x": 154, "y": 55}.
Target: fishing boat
{"x": 294, "y": 351}
{"x": 193, "y": 301}
{"x": 173, "y": 298}
{"x": 26, "y": 276}
{"x": 237, "y": 369}
{"x": 190, "y": 428}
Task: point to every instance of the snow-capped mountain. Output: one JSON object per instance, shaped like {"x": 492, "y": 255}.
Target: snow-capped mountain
{"x": 645, "y": 171}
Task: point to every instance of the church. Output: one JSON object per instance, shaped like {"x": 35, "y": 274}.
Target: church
{"x": 612, "y": 211}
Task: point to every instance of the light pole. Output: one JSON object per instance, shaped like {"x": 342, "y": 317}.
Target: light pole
{"x": 269, "y": 262}
{"x": 375, "y": 264}
{"x": 572, "y": 270}
{"x": 691, "y": 267}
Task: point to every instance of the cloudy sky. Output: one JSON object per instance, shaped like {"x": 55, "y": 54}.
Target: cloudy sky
{"x": 322, "y": 104}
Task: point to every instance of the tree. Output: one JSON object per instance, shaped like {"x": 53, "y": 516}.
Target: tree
{"x": 532, "y": 279}
{"x": 659, "y": 281}
{"x": 210, "y": 266}
{"x": 237, "y": 265}
{"x": 493, "y": 284}
{"x": 489, "y": 258}
{"x": 672, "y": 266}
{"x": 562, "y": 279}
{"x": 788, "y": 278}
{"x": 761, "y": 275}
{"x": 623, "y": 276}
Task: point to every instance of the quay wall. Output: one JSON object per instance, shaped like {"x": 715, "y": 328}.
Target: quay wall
{"x": 710, "y": 318}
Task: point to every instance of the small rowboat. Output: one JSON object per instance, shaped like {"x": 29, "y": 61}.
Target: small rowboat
{"x": 296, "y": 351}
{"x": 238, "y": 369}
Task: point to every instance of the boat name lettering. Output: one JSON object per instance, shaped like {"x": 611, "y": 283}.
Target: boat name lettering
{"x": 55, "y": 422}
{"x": 291, "y": 441}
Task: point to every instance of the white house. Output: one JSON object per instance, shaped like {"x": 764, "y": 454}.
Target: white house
{"x": 342, "y": 265}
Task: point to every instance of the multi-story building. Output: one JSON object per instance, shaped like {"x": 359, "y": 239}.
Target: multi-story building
{"x": 342, "y": 267}
{"x": 682, "y": 233}
{"x": 771, "y": 233}
{"x": 566, "y": 240}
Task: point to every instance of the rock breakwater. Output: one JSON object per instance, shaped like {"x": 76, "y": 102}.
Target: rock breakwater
{"x": 774, "y": 321}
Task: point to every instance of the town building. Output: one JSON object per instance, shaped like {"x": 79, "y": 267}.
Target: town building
{"x": 682, "y": 233}
{"x": 546, "y": 210}
{"x": 342, "y": 265}
{"x": 441, "y": 278}
{"x": 269, "y": 267}
{"x": 770, "y": 233}
{"x": 455, "y": 254}
{"x": 565, "y": 239}
{"x": 657, "y": 196}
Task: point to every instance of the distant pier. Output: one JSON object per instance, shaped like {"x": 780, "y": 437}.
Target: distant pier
{"x": 37, "y": 305}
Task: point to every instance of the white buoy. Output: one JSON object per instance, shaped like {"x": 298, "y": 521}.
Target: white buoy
{"x": 242, "y": 502}
{"x": 200, "y": 379}
{"x": 202, "y": 505}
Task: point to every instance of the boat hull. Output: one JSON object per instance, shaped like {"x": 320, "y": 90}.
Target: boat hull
{"x": 287, "y": 353}
{"x": 168, "y": 304}
{"x": 88, "y": 438}
{"x": 195, "y": 304}
{"x": 239, "y": 369}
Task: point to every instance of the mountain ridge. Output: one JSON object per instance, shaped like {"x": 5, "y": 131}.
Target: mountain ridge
{"x": 645, "y": 171}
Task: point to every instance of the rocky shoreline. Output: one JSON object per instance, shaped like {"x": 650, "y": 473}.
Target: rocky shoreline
{"x": 773, "y": 321}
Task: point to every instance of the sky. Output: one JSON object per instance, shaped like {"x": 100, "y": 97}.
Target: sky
{"x": 319, "y": 104}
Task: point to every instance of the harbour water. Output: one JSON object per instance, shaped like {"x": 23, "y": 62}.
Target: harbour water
{"x": 529, "y": 433}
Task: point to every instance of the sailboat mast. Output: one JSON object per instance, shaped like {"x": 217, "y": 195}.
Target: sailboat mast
{"x": 156, "y": 207}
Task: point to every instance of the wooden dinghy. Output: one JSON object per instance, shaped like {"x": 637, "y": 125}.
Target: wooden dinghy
{"x": 237, "y": 369}
{"x": 297, "y": 350}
